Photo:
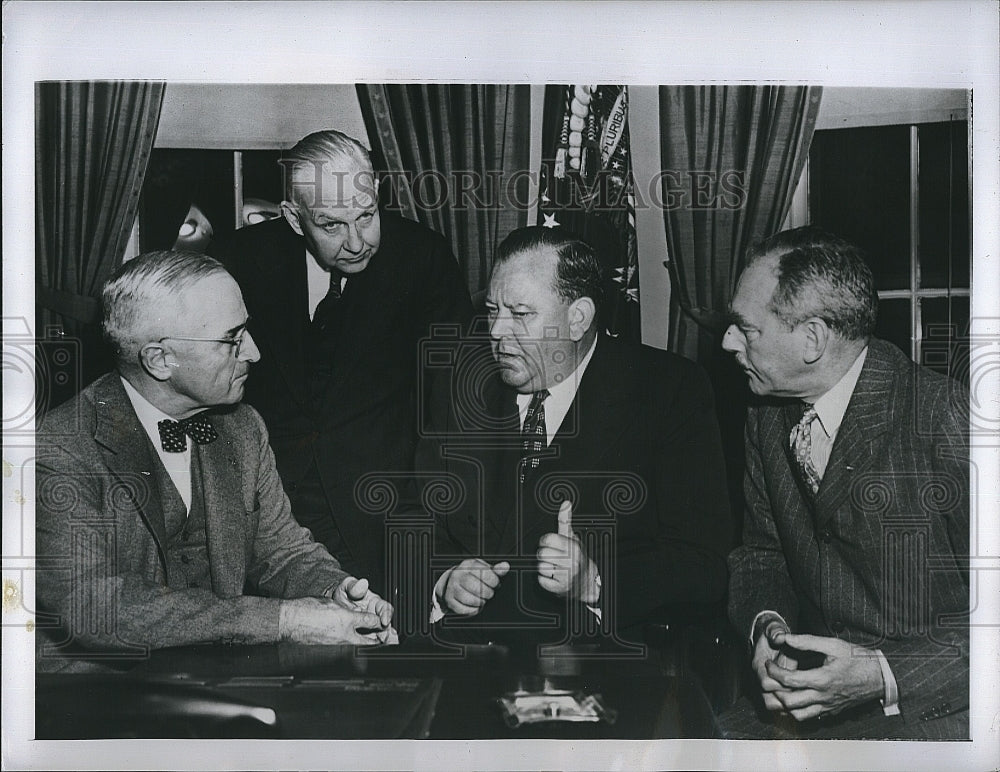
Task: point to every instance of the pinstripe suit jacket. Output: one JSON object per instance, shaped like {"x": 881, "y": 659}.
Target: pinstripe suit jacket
{"x": 879, "y": 556}
{"x": 101, "y": 537}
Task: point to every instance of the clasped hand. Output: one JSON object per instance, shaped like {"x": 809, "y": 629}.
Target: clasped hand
{"x": 848, "y": 676}
{"x": 354, "y": 615}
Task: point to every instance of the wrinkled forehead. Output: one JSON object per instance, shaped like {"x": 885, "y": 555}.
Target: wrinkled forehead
{"x": 212, "y": 304}
{"x": 756, "y": 286}
{"x": 526, "y": 275}
{"x": 330, "y": 185}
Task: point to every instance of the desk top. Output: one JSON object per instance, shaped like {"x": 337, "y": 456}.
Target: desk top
{"x": 415, "y": 690}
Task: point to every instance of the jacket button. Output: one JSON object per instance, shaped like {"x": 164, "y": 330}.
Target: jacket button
{"x": 946, "y": 706}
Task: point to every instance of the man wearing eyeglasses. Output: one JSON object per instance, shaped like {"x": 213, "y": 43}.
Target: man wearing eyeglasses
{"x": 161, "y": 520}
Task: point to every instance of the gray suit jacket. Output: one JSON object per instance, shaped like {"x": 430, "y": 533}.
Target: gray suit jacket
{"x": 880, "y": 557}
{"x": 101, "y": 539}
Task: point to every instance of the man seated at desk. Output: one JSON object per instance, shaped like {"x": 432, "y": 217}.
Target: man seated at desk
{"x": 592, "y": 475}
{"x": 161, "y": 520}
{"x": 856, "y": 537}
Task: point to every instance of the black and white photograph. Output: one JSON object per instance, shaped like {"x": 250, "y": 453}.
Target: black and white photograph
{"x": 501, "y": 386}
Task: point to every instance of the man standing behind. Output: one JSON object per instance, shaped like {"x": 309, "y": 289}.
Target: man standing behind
{"x": 856, "y": 536}
{"x": 158, "y": 501}
{"x": 339, "y": 296}
{"x": 592, "y": 475}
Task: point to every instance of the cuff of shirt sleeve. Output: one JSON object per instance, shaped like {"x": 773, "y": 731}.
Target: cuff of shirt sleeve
{"x": 890, "y": 698}
{"x": 760, "y": 623}
{"x": 595, "y": 609}
{"x": 437, "y": 613}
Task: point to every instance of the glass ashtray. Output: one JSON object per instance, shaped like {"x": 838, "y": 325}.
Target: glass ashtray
{"x": 523, "y": 707}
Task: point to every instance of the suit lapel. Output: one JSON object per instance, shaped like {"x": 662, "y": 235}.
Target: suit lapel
{"x": 601, "y": 411}
{"x": 129, "y": 455}
{"x": 861, "y": 436}
{"x": 282, "y": 276}
{"x": 225, "y": 518}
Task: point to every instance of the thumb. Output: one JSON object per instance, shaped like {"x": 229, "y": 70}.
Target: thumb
{"x": 357, "y": 589}
{"x": 501, "y": 568}
{"x": 565, "y": 519}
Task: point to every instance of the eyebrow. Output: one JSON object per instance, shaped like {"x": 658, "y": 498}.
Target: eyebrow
{"x": 735, "y": 317}
{"x": 232, "y": 333}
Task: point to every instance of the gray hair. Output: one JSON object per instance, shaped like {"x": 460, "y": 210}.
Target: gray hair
{"x": 138, "y": 286}
{"x": 330, "y": 149}
{"x": 821, "y": 275}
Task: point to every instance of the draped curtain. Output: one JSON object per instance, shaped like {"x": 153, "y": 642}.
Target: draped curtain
{"x": 455, "y": 157}
{"x": 731, "y": 156}
{"x": 92, "y": 145}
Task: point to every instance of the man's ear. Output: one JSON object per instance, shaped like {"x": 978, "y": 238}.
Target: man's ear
{"x": 291, "y": 214}
{"x": 157, "y": 361}
{"x": 581, "y": 317}
{"x": 817, "y": 338}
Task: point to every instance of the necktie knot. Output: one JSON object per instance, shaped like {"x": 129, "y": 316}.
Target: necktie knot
{"x": 173, "y": 434}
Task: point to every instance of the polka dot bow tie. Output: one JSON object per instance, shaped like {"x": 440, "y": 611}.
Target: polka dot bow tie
{"x": 198, "y": 428}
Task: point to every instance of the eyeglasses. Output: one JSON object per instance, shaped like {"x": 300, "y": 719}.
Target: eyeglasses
{"x": 236, "y": 342}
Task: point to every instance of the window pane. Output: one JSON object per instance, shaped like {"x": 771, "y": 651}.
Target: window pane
{"x": 894, "y": 323}
{"x": 945, "y": 327}
{"x": 859, "y": 188}
{"x": 944, "y": 204}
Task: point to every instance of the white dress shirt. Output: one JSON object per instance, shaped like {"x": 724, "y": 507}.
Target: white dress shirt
{"x": 178, "y": 465}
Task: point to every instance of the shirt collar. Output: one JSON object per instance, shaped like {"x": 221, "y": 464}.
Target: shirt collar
{"x": 831, "y": 407}
{"x": 565, "y": 390}
{"x": 149, "y": 414}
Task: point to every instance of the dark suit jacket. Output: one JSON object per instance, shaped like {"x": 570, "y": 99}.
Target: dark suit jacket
{"x": 366, "y": 421}
{"x": 101, "y": 539}
{"x": 639, "y": 456}
{"x": 881, "y": 558}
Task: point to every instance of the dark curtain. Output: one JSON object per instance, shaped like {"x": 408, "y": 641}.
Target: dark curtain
{"x": 454, "y": 157}
{"x": 731, "y": 157}
{"x": 92, "y": 145}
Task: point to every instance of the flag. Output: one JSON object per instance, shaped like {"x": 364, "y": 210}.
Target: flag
{"x": 586, "y": 185}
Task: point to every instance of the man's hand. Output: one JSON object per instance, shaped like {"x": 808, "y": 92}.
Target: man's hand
{"x": 471, "y": 583}
{"x": 354, "y": 594}
{"x": 563, "y": 565}
{"x": 769, "y": 649}
{"x": 848, "y": 676}
{"x": 325, "y": 621}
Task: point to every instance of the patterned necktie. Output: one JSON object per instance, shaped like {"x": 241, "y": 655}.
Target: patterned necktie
{"x": 800, "y": 441}
{"x": 533, "y": 435}
{"x": 198, "y": 428}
